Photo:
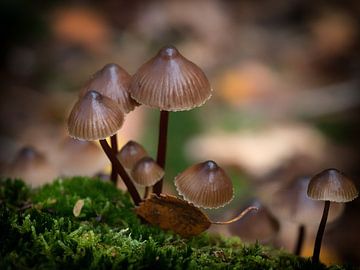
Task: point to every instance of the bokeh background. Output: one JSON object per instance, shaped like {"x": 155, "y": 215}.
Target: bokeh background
{"x": 286, "y": 97}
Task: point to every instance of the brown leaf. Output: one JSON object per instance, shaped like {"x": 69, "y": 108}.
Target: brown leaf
{"x": 171, "y": 213}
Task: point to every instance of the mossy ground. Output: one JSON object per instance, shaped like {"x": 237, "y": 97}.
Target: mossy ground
{"x": 39, "y": 231}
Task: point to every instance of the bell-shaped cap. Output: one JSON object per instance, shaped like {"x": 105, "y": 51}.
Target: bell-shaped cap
{"x": 170, "y": 82}
{"x": 290, "y": 202}
{"x": 32, "y": 167}
{"x": 130, "y": 154}
{"x": 332, "y": 185}
{"x": 258, "y": 225}
{"x": 94, "y": 117}
{"x": 205, "y": 185}
{"x": 147, "y": 172}
{"x": 112, "y": 81}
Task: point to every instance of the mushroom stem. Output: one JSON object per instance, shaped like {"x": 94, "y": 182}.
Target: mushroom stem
{"x": 240, "y": 216}
{"x": 320, "y": 233}
{"x": 121, "y": 171}
{"x": 146, "y": 192}
{"x": 161, "y": 151}
{"x": 114, "y": 147}
{"x": 300, "y": 240}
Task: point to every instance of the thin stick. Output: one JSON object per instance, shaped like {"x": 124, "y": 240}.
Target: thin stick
{"x": 240, "y": 216}
{"x": 161, "y": 152}
{"x": 114, "y": 147}
{"x": 300, "y": 240}
{"x": 121, "y": 171}
{"x": 320, "y": 233}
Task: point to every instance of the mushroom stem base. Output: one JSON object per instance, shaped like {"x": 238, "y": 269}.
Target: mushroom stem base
{"x": 121, "y": 171}
{"x": 300, "y": 240}
{"x": 320, "y": 233}
{"x": 161, "y": 151}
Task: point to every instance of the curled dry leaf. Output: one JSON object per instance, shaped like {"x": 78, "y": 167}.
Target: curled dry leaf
{"x": 171, "y": 213}
{"x": 77, "y": 207}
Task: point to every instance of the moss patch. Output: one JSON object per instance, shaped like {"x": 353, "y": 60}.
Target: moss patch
{"x": 39, "y": 230}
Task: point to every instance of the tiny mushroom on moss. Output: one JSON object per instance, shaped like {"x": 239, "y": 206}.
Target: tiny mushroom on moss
{"x": 205, "y": 185}
{"x": 130, "y": 154}
{"x": 169, "y": 82}
{"x": 329, "y": 185}
{"x": 96, "y": 117}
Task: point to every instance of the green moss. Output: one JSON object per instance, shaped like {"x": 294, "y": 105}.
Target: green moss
{"x": 39, "y": 230}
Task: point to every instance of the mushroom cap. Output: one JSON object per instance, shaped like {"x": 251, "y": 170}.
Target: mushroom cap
{"x": 130, "y": 154}
{"x": 147, "y": 172}
{"x": 94, "y": 117}
{"x": 170, "y": 82}
{"x": 205, "y": 185}
{"x": 332, "y": 185}
{"x": 291, "y": 203}
{"x": 112, "y": 81}
{"x": 260, "y": 225}
{"x": 32, "y": 167}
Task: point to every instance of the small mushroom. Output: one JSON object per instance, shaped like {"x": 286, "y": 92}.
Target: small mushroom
{"x": 169, "y": 82}
{"x": 330, "y": 186}
{"x": 96, "y": 117}
{"x": 32, "y": 167}
{"x": 130, "y": 154}
{"x": 147, "y": 172}
{"x": 291, "y": 203}
{"x": 205, "y": 185}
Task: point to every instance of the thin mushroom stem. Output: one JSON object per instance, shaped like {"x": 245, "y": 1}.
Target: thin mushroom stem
{"x": 320, "y": 233}
{"x": 161, "y": 151}
{"x": 146, "y": 192}
{"x": 238, "y": 217}
{"x": 300, "y": 240}
{"x": 121, "y": 171}
{"x": 114, "y": 147}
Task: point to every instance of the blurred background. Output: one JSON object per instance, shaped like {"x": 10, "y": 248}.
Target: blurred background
{"x": 285, "y": 104}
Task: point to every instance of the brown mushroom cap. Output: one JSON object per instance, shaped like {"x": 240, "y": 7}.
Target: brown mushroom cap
{"x": 147, "y": 172}
{"x": 130, "y": 154}
{"x": 332, "y": 185}
{"x": 205, "y": 185}
{"x": 112, "y": 81}
{"x": 32, "y": 167}
{"x": 170, "y": 82}
{"x": 291, "y": 203}
{"x": 94, "y": 117}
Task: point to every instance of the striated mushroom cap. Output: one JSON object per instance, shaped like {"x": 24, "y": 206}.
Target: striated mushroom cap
{"x": 205, "y": 185}
{"x": 147, "y": 172}
{"x": 112, "y": 81}
{"x": 332, "y": 185}
{"x": 170, "y": 82}
{"x": 130, "y": 154}
{"x": 94, "y": 117}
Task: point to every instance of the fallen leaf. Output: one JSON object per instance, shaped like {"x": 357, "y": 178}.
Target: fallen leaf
{"x": 77, "y": 207}
{"x": 171, "y": 213}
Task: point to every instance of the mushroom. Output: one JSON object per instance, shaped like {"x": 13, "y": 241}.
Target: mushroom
{"x": 256, "y": 226}
{"x": 147, "y": 172}
{"x": 169, "y": 82}
{"x": 291, "y": 203}
{"x": 329, "y": 185}
{"x": 205, "y": 185}
{"x": 96, "y": 117}
{"x": 112, "y": 81}
{"x": 32, "y": 167}
{"x": 130, "y": 154}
